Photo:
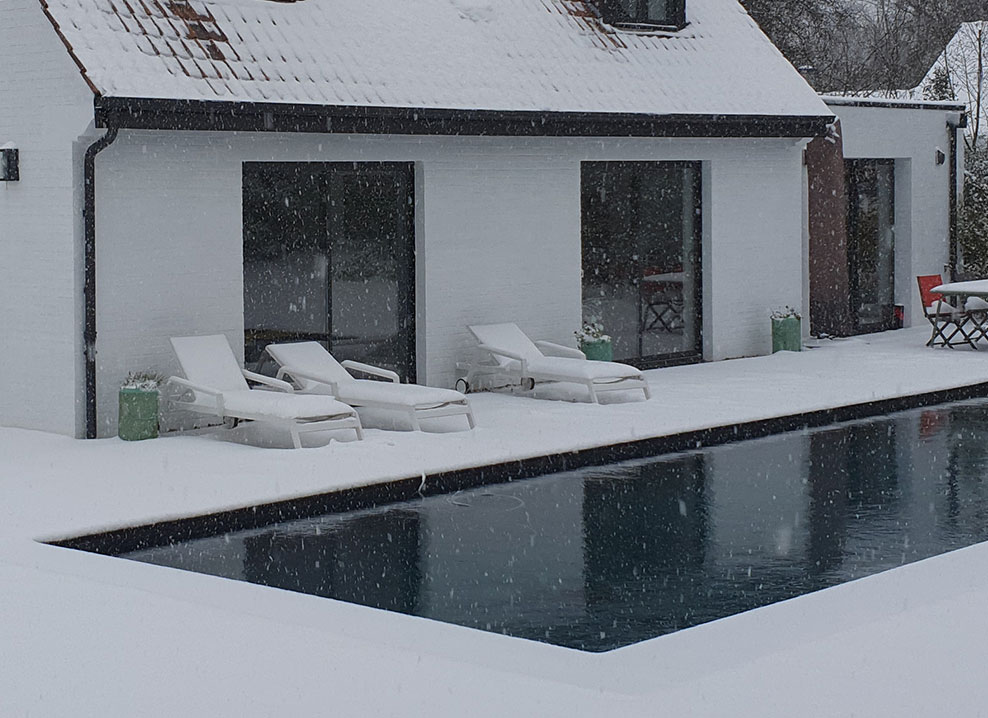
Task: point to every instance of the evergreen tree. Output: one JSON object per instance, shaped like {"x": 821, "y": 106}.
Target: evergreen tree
{"x": 972, "y": 225}
{"x": 939, "y": 86}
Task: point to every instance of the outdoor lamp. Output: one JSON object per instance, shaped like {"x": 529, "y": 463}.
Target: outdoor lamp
{"x": 9, "y": 164}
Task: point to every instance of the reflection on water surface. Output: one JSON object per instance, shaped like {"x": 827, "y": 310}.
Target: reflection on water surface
{"x": 604, "y": 557}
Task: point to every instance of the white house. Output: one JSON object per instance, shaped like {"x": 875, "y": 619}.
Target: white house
{"x": 379, "y": 174}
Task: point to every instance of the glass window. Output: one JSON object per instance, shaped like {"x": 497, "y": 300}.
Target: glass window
{"x": 641, "y": 257}
{"x": 328, "y": 256}
{"x": 871, "y": 243}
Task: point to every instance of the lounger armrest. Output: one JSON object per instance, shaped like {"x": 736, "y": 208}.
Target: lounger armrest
{"x": 510, "y": 355}
{"x": 501, "y": 352}
{"x": 349, "y": 364}
{"x": 559, "y": 350}
{"x": 298, "y": 374}
{"x": 198, "y": 389}
{"x": 186, "y": 384}
{"x": 268, "y": 381}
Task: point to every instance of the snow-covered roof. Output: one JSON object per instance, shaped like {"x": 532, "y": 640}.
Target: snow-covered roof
{"x": 525, "y": 55}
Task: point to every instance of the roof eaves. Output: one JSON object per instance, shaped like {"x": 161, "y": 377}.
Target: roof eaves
{"x": 209, "y": 115}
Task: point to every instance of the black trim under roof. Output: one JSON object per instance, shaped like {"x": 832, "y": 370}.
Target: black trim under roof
{"x": 162, "y": 114}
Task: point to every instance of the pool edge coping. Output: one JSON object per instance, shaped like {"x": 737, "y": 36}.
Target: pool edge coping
{"x": 126, "y": 539}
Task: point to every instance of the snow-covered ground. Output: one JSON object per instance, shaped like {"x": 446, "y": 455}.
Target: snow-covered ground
{"x": 83, "y": 634}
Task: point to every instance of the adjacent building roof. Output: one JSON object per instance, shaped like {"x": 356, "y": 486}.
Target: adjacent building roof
{"x": 500, "y": 55}
{"x": 898, "y": 100}
{"x": 958, "y": 73}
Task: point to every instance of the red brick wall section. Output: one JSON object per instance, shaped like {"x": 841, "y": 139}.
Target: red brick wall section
{"x": 829, "y": 308}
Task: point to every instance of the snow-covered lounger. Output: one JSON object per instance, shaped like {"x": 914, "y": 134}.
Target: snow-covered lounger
{"x": 218, "y": 387}
{"x": 314, "y": 370}
{"x": 528, "y": 362}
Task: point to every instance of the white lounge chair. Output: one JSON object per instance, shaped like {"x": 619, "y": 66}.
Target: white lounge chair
{"x": 315, "y": 370}
{"x": 523, "y": 361}
{"x": 218, "y": 387}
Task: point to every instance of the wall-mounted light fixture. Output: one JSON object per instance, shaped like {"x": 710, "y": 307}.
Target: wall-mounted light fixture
{"x": 9, "y": 164}
{"x": 941, "y": 157}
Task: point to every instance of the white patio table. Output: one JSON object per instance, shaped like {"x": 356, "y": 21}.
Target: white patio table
{"x": 973, "y": 288}
{"x": 977, "y": 315}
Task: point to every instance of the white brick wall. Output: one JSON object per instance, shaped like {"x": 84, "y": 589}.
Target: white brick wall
{"x": 498, "y": 233}
{"x": 755, "y": 257}
{"x": 922, "y": 212}
{"x": 45, "y": 106}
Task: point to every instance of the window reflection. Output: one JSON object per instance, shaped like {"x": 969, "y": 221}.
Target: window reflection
{"x": 371, "y": 559}
{"x": 607, "y": 556}
{"x": 645, "y": 531}
{"x": 965, "y": 494}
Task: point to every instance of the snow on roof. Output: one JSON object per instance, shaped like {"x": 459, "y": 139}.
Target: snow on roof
{"x": 535, "y": 55}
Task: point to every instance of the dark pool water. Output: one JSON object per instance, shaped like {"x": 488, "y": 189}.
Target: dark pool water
{"x": 600, "y": 558}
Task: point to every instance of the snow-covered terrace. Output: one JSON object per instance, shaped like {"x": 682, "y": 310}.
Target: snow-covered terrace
{"x": 84, "y": 634}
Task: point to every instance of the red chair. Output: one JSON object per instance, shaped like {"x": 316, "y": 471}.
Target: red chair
{"x": 943, "y": 316}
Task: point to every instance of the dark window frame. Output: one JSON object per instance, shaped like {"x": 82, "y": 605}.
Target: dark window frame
{"x": 613, "y": 13}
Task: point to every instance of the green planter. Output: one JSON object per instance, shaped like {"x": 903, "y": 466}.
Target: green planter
{"x": 787, "y": 335}
{"x": 138, "y": 415}
{"x": 600, "y": 350}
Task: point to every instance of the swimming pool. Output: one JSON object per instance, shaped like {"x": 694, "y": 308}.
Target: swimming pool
{"x": 599, "y": 558}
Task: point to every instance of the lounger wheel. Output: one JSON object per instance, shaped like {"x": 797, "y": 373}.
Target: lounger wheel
{"x": 528, "y": 383}
{"x": 462, "y": 386}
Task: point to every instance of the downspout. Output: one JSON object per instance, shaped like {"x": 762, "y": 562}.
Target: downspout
{"x": 953, "y": 128}
{"x": 89, "y": 328}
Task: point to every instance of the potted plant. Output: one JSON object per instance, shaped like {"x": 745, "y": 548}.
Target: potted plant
{"x": 787, "y": 331}
{"x": 592, "y": 340}
{"x": 138, "y": 418}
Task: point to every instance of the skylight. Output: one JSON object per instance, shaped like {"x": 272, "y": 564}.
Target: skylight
{"x": 662, "y": 14}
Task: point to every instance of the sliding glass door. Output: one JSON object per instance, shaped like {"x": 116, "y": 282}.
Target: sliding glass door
{"x": 641, "y": 258}
{"x": 871, "y": 243}
{"x": 329, "y": 256}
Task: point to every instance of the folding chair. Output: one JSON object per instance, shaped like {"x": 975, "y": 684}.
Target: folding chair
{"x": 943, "y": 316}
{"x": 664, "y": 300}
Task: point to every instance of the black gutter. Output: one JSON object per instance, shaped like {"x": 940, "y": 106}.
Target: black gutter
{"x": 163, "y": 114}
{"x": 135, "y": 538}
{"x": 89, "y": 329}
